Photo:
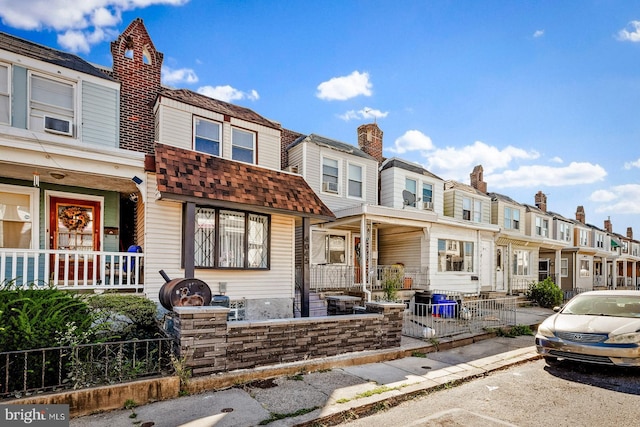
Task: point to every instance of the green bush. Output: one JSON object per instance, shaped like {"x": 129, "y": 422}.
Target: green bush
{"x": 546, "y": 293}
{"x": 125, "y": 317}
{"x": 32, "y": 317}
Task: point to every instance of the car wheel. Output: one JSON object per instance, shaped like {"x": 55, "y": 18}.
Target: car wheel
{"x": 551, "y": 361}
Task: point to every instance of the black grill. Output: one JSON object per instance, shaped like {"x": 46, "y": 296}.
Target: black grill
{"x": 581, "y": 357}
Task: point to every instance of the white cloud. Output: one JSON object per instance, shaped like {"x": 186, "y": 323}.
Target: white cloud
{"x": 620, "y": 199}
{"x": 363, "y": 114}
{"x": 412, "y": 140}
{"x": 538, "y": 33}
{"x": 634, "y": 164}
{"x": 575, "y": 173}
{"x": 631, "y": 33}
{"x": 347, "y": 87}
{"x": 556, "y": 160}
{"x": 80, "y": 23}
{"x": 227, "y": 93}
{"x": 181, "y": 75}
{"x": 457, "y": 163}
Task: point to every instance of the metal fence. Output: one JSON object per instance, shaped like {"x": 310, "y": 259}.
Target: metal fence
{"x": 452, "y": 318}
{"x": 26, "y": 372}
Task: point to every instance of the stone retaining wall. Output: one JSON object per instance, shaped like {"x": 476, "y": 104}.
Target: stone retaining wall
{"x": 210, "y": 344}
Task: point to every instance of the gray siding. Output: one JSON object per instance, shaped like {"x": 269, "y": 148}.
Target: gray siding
{"x": 19, "y": 97}
{"x": 100, "y": 115}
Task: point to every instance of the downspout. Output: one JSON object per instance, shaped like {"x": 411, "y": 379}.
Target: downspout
{"x": 364, "y": 252}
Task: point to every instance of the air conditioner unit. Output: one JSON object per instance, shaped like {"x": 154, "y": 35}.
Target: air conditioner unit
{"x": 292, "y": 169}
{"x": 60, "y": 126}
{"x": 427, "y": 206}
{"x": 330, "y": 187}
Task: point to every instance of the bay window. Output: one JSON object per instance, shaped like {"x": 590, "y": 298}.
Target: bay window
{"x": 231, "y": 239}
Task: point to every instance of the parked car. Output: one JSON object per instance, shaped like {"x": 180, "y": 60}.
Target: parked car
{"x": 596, "y": 327}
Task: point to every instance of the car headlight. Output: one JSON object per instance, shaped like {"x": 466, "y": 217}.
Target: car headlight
{"x": 545, "y": 331}
{"x": 629, "y": 338}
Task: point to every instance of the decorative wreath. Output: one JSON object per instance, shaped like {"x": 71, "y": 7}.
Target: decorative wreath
{"x": 74, "y": 218}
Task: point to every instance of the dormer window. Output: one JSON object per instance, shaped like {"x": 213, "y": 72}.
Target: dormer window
{"x": 207, "y": 136}
{"x": 330, "y": 175}
{"x": 355, "y": 181}
{"x": 243, "y": 146}
{"x": 511, "y": 218}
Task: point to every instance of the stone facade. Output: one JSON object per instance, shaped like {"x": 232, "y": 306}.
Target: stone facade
{"x": 210, "y": 344}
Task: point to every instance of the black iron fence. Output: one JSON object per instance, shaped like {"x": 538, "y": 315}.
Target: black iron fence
{"x": 27, "y": 372}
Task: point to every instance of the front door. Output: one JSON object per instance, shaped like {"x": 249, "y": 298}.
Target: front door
{"x": 74, "y": 226}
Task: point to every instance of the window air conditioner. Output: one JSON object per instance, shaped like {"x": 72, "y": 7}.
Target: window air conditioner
{"x": 427, "y": 206}
{"x": 292, "y": 169}
{"x": 60, "y": 126}
{"x": 330, "y": 187}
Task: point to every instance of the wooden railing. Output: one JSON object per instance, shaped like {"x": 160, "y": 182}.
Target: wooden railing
{"x": 72, "y": 269}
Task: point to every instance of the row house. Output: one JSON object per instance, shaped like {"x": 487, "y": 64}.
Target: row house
{"x": 107, "y": 178}
{"x": 67, "y": 188}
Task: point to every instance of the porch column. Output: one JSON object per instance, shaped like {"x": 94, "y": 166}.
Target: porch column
{"x": 605, "y": 271}
{"x": 365, "y": 249}
{"x": 558, "y": 268}
{"x": 305, "y": 286}
{"x": 188, "y": 241}
{"x": 614, "y": 276}
{"x": 634, "y": 267}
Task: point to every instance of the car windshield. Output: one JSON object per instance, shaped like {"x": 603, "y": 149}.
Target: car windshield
{"x": 604, "y": 305}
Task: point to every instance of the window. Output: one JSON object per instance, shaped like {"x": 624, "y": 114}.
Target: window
{"x": 411, "y": 186}
{"x": 427, "y": 193}
{"x": 52, "y": 105}
{"x": 355, "y": 181}
{"x": 243, "y": 146}
{"x": 625, "y": 247}
{"x": 521, "y": 262}
{"x": 5, "y": 112}
{"x": 564, "y": 232}
{"x": 600, "y": 241}
{"x": 206, "y": 136}
{"x": 584, "y": 268}
{"x": 564, "y": 267}
{"x": 511, "y": 218}
{"x": 17, "y": 224}
{"x": 454, "y": 255}
{"x": 542, "y": 227}
{"x": 330, "y": 175}
{"x": 231, "y": 239}
{"x": 584, "y": 238}
{"x": 471, "y": 208}
{"x": 328, "y": 248}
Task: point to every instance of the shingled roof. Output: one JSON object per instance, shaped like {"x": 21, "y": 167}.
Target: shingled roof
{"x": 188, "y": 175}
{"x": 192, "y": 98}
{"x": 24, "y": 47}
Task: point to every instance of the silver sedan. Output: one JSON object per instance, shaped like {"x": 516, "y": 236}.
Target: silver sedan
{"x": 596, "y": 327}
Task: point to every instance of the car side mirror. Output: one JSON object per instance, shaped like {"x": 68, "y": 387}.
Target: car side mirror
{"x": 557, "y": 308}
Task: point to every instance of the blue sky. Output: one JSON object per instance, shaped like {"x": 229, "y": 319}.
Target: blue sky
{"x": 544, "y": 95}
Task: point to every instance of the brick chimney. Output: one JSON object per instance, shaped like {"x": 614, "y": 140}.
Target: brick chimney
{"x": 607, "y": 225}
{"x": 541, "y": 201}
{"x": 477, "y": 180}
{"x": 370, "y": 140}
{"x": 580, "y": 216}
{"x": 630, "y": 233}
{"x": 136, "y": 65}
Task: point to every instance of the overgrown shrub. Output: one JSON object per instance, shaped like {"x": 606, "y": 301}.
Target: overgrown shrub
{"x": 126, "y": 317}
{"x": 546, "y": 293}
{"x": 32, "y": 317}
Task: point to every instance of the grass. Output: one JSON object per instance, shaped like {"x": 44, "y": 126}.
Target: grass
{"x": 514, "y": 331}
{"x": 373, "y": 392}
{"x": 277, "y": 416}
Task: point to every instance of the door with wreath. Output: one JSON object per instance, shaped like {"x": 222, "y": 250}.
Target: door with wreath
{"x": 74, "y": 226}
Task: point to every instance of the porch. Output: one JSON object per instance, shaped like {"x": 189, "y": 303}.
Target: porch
{"x": 73, "y": 270}
{"x": 348, "y": 278}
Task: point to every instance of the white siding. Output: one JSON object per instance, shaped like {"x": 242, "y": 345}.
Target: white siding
{"x": 398, "y": 245}
{"x": 175, "y": 127}
{"x": 392, "y": 185}
{"x": 100, "y": 115}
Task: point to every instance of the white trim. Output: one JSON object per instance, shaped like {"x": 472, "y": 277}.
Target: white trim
{"x": 76, "y": 116}
{"x": 340, "y": 173}
{"x": 195, "y": 117}
{"x": 9, "y": 71}
{"x": 363, "y": 179}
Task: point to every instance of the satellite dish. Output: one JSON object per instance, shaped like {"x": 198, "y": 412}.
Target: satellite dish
{"x": 408, "y": 197}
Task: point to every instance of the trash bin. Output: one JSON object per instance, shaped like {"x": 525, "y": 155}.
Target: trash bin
{"x": 419, "y": 299}
{"x": 220, "y": 300}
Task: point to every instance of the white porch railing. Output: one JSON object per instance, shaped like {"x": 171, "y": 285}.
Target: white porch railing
{"x": 72, "y": 269}
{"x": 347, "y": 277}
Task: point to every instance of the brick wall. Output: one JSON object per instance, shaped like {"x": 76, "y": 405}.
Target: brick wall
{"x": 212, "y": 345}
{"x": 137, "y": 66}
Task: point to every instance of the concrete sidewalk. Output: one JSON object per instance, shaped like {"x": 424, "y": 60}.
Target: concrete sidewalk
{"x": 328, "y": 396}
